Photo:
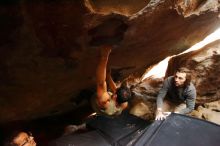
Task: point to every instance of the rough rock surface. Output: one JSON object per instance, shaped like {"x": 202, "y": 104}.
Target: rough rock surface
{"x": 49, "y": 49}
{"x": 210, "y": 112}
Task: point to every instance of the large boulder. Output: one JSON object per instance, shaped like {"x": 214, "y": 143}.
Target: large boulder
{"x": 49, "y": 49}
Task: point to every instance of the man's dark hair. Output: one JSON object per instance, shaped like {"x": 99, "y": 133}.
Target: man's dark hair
{"x": 188, "y": 74}
{"x": 123, "y": 94}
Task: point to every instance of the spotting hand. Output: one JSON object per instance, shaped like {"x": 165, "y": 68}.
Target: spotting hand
{"x": 162, "y": 115}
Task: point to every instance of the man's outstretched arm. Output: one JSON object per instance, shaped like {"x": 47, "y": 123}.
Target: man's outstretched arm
{"x": 190, "y": 101}
{"x": 101, "y": 75}
{"x": 162, "y": 93}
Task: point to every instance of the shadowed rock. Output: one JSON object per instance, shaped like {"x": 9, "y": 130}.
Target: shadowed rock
{"x": 49, "y": 49}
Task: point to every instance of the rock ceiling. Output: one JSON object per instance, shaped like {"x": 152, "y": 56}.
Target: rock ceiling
{"x": 49, "y": 48}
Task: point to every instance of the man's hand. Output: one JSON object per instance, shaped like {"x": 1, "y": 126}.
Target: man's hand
{"x": 161, "y": 115}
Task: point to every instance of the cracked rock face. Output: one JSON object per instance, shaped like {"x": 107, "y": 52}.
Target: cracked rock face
{"x": 49, "y": 49}
{"x": 123, "y": 7}
{"x": 195, "y": 7}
